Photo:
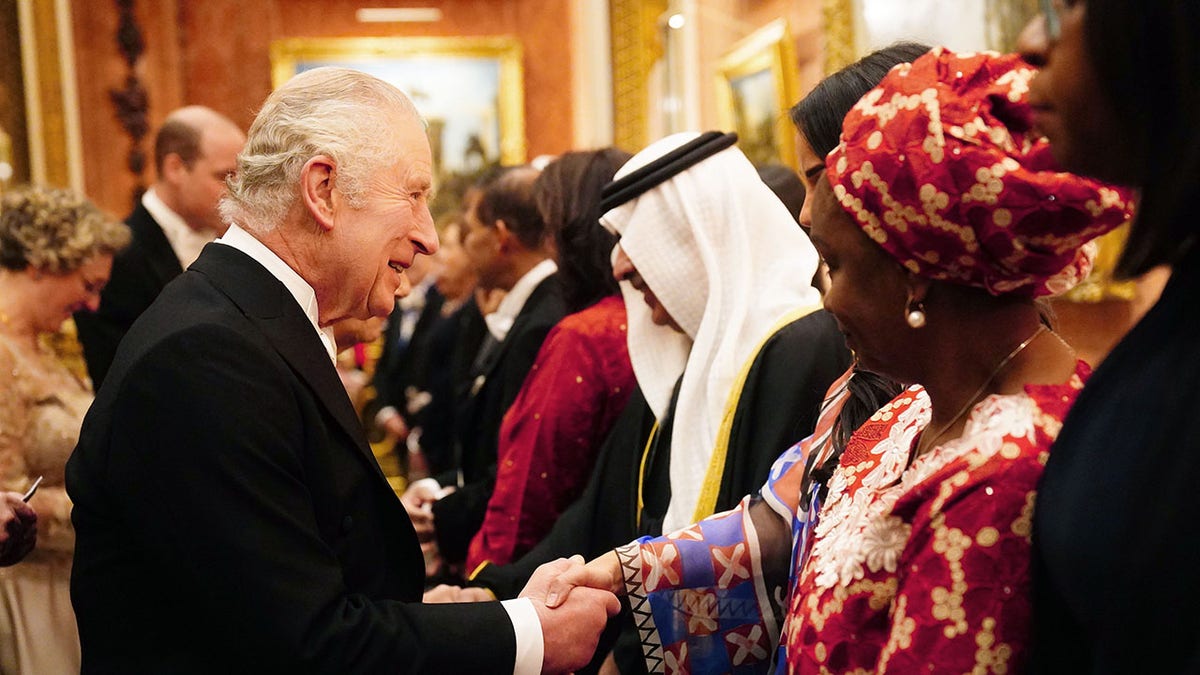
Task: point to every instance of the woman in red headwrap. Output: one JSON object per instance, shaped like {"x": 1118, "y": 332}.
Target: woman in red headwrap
{"x": 942, "y": 217}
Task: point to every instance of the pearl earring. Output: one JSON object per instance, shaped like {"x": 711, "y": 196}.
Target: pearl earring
{"x": 915, "y": 316}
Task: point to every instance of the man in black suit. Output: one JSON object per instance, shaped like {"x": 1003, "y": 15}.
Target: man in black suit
{"x": 402, "y": 371}
{"x": 507, "y": 243}
{"x": 194, "y": 150}
{"x": 229, "y": 515}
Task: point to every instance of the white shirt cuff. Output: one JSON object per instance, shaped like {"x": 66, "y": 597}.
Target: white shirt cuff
{"x": 386, "y": 413}
{"x": 434, "y": 487}
{"x": 528, "y": 630}
{"x": 430, "y": 483}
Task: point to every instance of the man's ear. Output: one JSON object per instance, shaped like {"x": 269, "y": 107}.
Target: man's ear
{"x": 504, "y": 236}
{"x": 173, "y": 168}
{"x": 316, "y": 190}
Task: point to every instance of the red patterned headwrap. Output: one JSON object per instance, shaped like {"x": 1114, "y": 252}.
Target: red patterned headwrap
{"x": 940, "y": 166}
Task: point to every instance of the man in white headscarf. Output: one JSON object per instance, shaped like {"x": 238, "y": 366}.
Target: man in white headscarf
{"x": 731, "y": 349}
{"x": 715, "y": 274}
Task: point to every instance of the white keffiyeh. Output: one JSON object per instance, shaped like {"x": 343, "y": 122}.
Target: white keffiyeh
{"x": 727, "y": 261}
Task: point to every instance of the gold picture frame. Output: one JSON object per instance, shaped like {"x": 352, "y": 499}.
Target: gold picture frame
{"x": 39, "y": 125}
{"x": 470, "y": 91}
{"x": 756, "y": 84}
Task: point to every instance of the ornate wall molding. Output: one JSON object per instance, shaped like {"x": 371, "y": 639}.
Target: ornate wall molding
{"x": 131, "y": 100}
{"x": 840, "y": 48}
{"x": 635, "y": 48}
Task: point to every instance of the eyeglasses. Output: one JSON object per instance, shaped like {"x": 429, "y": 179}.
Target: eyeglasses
{"x": 93, "y": 286}
{"x": 1053, "y": 23}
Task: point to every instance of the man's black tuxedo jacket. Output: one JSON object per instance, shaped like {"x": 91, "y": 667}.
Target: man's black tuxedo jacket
{"x": 496, "y": 378}
{"x": 139, "y": 274}
{"x": 229, "y": 514}
{"x": 403, "y": 366}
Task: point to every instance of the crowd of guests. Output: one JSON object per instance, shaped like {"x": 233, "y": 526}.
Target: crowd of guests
{"x": 812, "y": 421}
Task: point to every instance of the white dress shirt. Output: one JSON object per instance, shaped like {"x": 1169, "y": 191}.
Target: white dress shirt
{"x": 500, "y": 321}
{"x": 184, "y": 241}
{"x": 524, "y": 617}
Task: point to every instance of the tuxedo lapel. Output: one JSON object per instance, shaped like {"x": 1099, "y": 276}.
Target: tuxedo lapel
{"x": 492, "y": 351}
{"x": 266, "y": 301}
{"x": 160, "y": 257}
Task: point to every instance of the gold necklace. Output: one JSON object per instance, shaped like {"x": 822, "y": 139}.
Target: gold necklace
{"x": 974, "y": 397}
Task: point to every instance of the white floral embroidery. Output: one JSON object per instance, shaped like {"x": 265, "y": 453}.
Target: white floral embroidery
{"x": 894, "y": 451}
{"x": 883, "y": 540}
{"x": 857, "y": 530}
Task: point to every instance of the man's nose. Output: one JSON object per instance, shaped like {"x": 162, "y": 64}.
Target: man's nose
{"x": 622, "y": 266}
{"x": 424, "y": 235}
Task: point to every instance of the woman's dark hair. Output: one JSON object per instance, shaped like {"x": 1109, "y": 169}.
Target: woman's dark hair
{"x": 568, "y": 195}
{"x": 819, "y": 115}
{"x": 786, "y": 185}
{"x": 1147, "y": 61}
{"x": 868, "y": 393}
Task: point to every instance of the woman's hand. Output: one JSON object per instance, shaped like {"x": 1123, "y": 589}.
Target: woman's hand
{"x": 603, "y": 573}
{"x": 18, "y": 528}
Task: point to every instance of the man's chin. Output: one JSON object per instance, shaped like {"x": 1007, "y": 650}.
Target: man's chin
{"x": 665, "y": 322}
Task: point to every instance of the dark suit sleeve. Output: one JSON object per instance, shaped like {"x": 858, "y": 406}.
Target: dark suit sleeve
{"x": 460, "y": 515}
{"x": 602, "y": 518}
{"x": 126, "y": 296}
{"x": 216, "y": 491}
{"x": 569, "y": 536}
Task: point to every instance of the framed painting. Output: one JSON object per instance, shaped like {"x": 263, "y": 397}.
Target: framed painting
{"x": 469, "y": 90}
{"x": 756, "y": 84}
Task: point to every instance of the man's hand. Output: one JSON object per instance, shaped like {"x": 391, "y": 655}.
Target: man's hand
{"x": 571, "y": 630}
{"x": 418, "y": 501}
{"x": 18, "y": 528}
{"x": 392, "y": 422}
{"x": 445, "y": 593}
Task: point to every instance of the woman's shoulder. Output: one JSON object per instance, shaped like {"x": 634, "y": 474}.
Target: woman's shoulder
{"x": 1053, "y": 401}
{"x": 602, "y": 319}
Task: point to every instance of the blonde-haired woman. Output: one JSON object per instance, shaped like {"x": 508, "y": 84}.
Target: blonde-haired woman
{"x": 56, "y": 251}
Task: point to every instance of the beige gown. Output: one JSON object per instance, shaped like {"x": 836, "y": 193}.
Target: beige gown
{"x": 41, "y": 408}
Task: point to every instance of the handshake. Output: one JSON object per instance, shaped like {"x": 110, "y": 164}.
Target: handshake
{"x": 573, "y": 602}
